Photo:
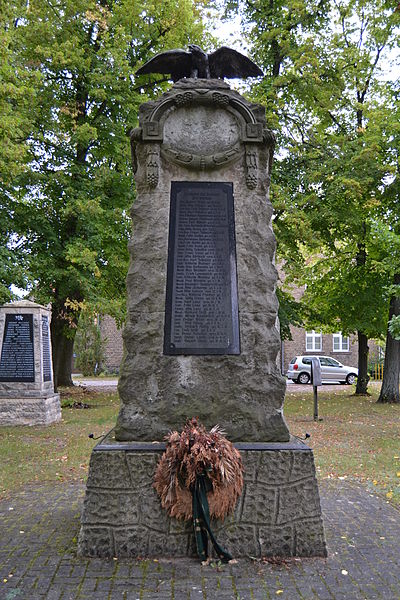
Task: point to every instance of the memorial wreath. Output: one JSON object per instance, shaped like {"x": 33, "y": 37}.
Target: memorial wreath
{"x": 199, "y": 477}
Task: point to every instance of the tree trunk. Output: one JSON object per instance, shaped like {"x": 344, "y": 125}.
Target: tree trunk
{"x": 391, "y": 369}
{"x": 64, "y": 374}
{"x": 363, "y": 378}
{"x": 62, "y": 341}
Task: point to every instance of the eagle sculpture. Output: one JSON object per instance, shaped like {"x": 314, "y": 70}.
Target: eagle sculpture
{"x": 197, "y": 64}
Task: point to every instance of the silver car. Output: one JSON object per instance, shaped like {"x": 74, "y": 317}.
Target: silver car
{"x": 331, "y": 370}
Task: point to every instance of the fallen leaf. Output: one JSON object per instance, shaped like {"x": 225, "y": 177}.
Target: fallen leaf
{"x": 389, "y": 495}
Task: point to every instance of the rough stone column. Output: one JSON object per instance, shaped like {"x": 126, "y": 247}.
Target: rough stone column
{"x": 201, "y": 130}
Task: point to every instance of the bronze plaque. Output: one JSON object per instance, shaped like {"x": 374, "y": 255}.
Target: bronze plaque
{"x": 17, "y": 358}
{"x": 201, "y": 314}
{"x": 47, "y": 372}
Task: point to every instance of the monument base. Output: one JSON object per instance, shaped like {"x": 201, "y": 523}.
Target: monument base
{"x": 278, "y": 514}
{"x": 30, "y": 411}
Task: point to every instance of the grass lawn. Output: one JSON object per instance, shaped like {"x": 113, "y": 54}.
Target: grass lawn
{"x": 60, "y": 451}
{"x": 357, "y": 439}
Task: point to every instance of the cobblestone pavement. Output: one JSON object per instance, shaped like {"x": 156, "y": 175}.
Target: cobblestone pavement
{"x": 39, "y": 527}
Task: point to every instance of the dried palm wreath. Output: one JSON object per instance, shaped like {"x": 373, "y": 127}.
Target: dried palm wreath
{"x": 199, "y": 476}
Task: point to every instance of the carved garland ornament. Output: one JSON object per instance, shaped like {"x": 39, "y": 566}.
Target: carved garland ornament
{"x": 202, "y": 161}
{"x": 152, "y": 165}
{"x": 251, "y": 168}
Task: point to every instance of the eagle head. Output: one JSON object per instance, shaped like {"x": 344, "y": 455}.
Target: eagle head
{"x": 196, "y": 50}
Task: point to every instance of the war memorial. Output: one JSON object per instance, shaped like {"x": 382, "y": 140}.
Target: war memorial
{"x": 26, "y": 374}
{"x": 202, "y": 336}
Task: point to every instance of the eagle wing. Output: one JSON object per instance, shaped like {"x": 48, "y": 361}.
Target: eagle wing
{"x": 229, "y": 63}
{"x": 176, "y": 62}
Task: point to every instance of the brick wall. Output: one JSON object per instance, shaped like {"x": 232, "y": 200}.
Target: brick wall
{"x": 112, "y": 343}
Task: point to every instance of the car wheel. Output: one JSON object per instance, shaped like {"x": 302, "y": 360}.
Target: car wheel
{"x": 351, "y": 378}
{"x": 303, "y": 378}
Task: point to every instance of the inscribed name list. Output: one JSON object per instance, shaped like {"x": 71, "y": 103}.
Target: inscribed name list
{"x": 201, "y": 304}
{"x": 17, "y": 357}
{"x": 46, "y": 358}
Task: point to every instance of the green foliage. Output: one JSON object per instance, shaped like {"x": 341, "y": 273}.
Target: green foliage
{"x": 394, "y": 327}
{"x": 70, "y": 94}
{"x": 344, "y": 296}
{"x": 290, "y": 313}
{"x": 18, "y": 87}
{"x": 88, "y": 346}
{"x": 337, "y": 127}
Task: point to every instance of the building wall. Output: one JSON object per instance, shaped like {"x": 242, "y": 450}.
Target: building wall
{"x": 112, "y": 344}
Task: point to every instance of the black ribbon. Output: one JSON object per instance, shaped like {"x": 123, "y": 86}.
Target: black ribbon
{"x": 201, "y": 521}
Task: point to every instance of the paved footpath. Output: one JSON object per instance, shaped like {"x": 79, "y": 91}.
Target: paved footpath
{"x": 39, "y": 528}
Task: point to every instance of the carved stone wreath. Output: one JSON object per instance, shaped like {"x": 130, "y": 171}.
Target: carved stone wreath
{"x": 250, "y": 130}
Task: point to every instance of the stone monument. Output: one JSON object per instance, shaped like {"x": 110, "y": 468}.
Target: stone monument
{"x": 201, "y": 337}
{"x": 26, "y": 373}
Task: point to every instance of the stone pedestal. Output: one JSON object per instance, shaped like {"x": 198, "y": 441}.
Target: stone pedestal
{"x": 278, "y": 513}
{"x": 26, "y": 372}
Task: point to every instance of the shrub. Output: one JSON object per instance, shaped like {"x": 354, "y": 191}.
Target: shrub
{"x": 88, "y": 346}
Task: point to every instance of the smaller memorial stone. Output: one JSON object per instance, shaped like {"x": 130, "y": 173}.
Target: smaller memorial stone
{"x": 26, "y": 375}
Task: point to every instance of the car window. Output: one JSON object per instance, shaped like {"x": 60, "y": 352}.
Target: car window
{"x": 293, "y": 360}
{"x": 333, "y": 363}
{"x": 307, "y": 361}
{"x": 324, "y": 361}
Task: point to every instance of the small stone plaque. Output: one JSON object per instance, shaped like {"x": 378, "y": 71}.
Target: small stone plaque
{"x": 201, "y": 315}
{"x": 46, "y": 349}
{"x": 17, "y": 357}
